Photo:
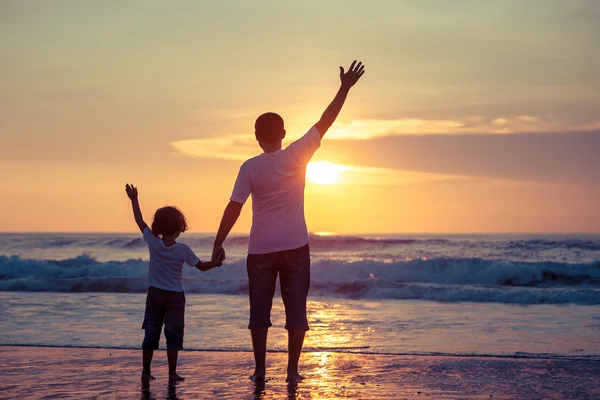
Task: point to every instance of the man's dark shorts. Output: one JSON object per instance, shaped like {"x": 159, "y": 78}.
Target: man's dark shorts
{"x": 168, "y": 307}
{"x": 293, "y": 267}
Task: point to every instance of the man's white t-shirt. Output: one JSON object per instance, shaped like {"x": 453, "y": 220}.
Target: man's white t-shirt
{"x": 166, "y": 263}
{"x": 276, "y": 182}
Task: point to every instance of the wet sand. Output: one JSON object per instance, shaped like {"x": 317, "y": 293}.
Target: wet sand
{"x": 43, "y": 372}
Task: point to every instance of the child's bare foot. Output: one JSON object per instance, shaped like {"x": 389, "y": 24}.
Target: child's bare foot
{"x": 147, "y": 377}
{"x": 176, "y": 378}
{"x": 294, "y": 377}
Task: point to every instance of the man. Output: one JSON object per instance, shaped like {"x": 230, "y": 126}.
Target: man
{"x": 279, "y": 237}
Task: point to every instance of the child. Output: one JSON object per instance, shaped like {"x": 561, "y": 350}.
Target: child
{"x": 165, "y": 302}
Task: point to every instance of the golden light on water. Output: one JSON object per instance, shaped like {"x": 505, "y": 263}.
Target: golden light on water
{"x": 323, "y": 172}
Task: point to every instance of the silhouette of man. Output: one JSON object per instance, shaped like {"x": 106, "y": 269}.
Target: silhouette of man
{"x": 279, "y": 236}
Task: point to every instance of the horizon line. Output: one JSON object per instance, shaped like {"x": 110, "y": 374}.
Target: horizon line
{"x": 329, "y": 233}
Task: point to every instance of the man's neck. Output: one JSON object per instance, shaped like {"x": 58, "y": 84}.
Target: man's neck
{"x": 271, "y": 147}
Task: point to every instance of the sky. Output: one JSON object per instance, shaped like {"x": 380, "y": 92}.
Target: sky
{"x": 472, "y": 116}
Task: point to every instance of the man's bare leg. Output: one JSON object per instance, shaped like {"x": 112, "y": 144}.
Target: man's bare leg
{"x": 259, "y": 345}
{"x": 295, "y": 342}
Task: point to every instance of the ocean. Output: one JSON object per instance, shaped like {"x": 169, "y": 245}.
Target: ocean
{"x": 516, "y": 296}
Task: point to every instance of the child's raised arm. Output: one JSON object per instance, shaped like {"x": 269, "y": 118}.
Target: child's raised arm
{"x": 132, "y": 193}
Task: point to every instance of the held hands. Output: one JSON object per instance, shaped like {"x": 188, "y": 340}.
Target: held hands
{"x": 353, "y": 75}
{"x": 131, "y": 191}
{"x": 218, "y": 254}
{"x": 217, "y": 261}
{"x": 210, "y": 265}
{"x": 205, "y": 266}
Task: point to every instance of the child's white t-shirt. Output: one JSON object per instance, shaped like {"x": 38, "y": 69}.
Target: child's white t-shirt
{"x": 166, "y": 263}
{"x": 276, "y": 182}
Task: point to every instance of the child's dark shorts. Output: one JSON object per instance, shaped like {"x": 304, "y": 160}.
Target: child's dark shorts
{"x": 293, "y": 267}
{"x": 168, "y": 307}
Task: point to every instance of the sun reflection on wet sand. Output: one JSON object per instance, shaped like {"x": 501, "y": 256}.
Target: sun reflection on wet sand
{"x": 329, "y": 330}
{"x": 111, "y": 373}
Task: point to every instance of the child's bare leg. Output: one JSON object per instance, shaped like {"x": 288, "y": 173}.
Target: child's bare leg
{"x": 172, "y": 355}
{"x": 146, "y": 362}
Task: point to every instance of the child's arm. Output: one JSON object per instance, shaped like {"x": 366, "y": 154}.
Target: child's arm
{"x": 132, "y": 193}
{"x": 192, "y": 260}
{"x": 205, "y": 266}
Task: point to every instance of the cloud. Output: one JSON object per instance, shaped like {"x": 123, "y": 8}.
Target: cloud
{"x": 235, "y": 147}
{"x": 523, "y": 147}
{"x": 567, "y": 157}
{"x": 241, "y": 147}
{"x": 500, "y": 122}
{"x": 528, "y": 119}
{"x": 354, "y": 175}
{"x": 372, "y": 128}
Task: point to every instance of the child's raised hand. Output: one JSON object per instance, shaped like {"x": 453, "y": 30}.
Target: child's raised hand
{"x": 131, "y": 191}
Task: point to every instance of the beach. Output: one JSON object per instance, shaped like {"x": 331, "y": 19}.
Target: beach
{"x": 204, "y": 175}
{"x": 43, "y": 372}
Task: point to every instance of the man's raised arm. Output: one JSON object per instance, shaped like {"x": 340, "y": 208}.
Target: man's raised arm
{"x": 348, "y": 79}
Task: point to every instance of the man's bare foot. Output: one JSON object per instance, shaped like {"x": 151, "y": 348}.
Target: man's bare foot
{"x": 258, "y": 376}
{"x": 176, "y": 378}
{"x": 295, "y": 377}
{"x": 147, "y": 377}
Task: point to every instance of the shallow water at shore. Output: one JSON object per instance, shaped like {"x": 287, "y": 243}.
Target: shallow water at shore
{"x": 219, "y": 322}
{"x": 111, "y": 374}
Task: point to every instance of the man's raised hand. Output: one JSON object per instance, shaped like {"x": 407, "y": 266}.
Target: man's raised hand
{"x": 348, "y": 80}
{"x": 353, "y": 75}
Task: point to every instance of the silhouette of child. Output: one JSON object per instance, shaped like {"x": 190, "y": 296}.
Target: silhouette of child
{"x": 165, "y": 302}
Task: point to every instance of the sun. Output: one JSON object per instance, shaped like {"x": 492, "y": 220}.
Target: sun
{"x": 323, "y": 172}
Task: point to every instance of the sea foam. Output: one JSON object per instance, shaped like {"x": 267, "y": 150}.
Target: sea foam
{"x": 439, "y": 279}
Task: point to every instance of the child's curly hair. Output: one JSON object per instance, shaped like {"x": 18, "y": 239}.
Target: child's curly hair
{"x": 168, "y": 220}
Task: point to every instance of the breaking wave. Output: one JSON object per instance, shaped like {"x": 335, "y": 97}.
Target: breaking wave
{"x": 438, "y": 279}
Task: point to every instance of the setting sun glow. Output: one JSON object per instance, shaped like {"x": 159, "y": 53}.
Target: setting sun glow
{"x": 323, "y": 172}
{"x": 429, "y": 140}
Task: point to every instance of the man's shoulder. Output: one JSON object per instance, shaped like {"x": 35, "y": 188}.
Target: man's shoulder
{"x": 251, "y": 162}
{"x": 254, "y": 159}
{"x": 311, "y": 136}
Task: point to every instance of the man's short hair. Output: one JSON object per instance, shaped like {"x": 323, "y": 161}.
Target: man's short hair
{"x": 269, "y": 127}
